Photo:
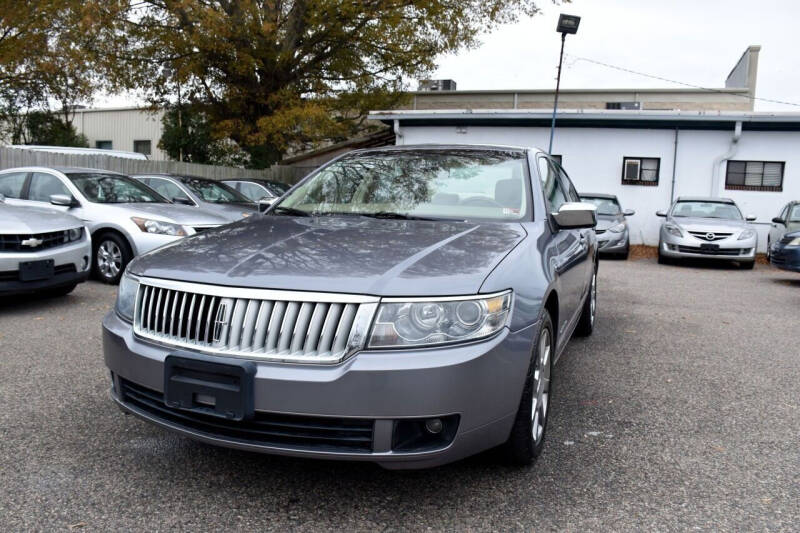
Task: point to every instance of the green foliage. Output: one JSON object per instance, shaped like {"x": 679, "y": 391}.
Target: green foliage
{"x": 45, "y": 128}
{"x": 186, "y": 135}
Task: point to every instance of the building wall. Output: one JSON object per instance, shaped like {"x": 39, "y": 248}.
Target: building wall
{"x": 122, "y": 127}
{"x": 593, "y": 159}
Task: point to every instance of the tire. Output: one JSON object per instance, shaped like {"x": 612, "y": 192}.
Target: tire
{"x": 662, "y": 259}
{"x": 747, "y": 265}
{"x": 526, "y": 442}
{"x": 586, "y": 323}
{"x": 62, "y": 291}
{"x": 769, "y": 255}
{"x": 110, "y": 255}
{"x": 624, "y": 255}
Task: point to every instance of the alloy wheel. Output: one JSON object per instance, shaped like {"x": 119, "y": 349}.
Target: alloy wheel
{"x": 593, "y": 298}
{"x": 109, "y": 259}
{"x": 541, "y": 384}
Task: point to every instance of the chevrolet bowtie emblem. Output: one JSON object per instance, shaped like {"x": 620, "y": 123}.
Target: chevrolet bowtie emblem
{"x": 33, "y": 242}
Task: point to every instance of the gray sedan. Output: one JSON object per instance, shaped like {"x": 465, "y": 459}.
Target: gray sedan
{"x": 201, "y": 192}
{"x": 613, "y": 236}
{"x": 701, "y": 227}
{"x": 125, "y": 217}
{"x": 41, "y": 250}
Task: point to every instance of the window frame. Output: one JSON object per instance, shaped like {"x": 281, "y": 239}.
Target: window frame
{"x": 32, "y": 177}
{"x": 640, "y": 181}
{"x": 149, "y": 146}
{"x": 758, "y": 188}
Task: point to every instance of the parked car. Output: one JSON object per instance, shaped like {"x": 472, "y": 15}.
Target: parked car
{"x": 612, "y": 233}
{"x": 125, "y": 217}
{"x": 208, "y": 194}
{"x": 787, "y": 221}
{"x": 401, "y": 305}
{"x": 41, "y": 250}
{"x": 785, "y": 253}
{"x": 257, "y": 189}
{"x": 707, "y": 228}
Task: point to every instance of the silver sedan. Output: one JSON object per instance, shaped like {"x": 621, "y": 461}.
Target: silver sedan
{"x": 703, "y": 227}
{"x": 125, "y": 217}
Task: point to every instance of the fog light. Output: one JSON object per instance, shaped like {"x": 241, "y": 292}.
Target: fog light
{"x": 434, "y": 425}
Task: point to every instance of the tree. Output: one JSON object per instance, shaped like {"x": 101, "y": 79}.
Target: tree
{"x": 186, "y": 136}
{"x": 273, "y": 74}
{"x": 50, "y": 129}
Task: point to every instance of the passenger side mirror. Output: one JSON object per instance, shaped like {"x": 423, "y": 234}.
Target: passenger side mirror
{"x": 181, "y": 200}
{"x": 629, "y": 212}
{"x": 574, "y": 215}
{"x": 750, "y": 218}
{"x": 661, "y": 213}
{"x": 265, "y": 203}
{"x": 779, "y": 220}
{"x": 63, "y": 200}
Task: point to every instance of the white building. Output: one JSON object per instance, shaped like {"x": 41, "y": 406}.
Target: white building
{"x": 128, "y": 128}
{"x": 646, "y": 158}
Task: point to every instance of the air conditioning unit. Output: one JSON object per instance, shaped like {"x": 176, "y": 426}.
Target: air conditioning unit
{"x": 436, "y": 85}
{"x": 633, "y": 169}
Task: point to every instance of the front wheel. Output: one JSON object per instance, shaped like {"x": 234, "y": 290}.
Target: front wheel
{"x": 111, "y": 255}
{"x": 526, "y": 441}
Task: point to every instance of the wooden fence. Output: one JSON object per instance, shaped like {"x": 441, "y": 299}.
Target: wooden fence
{"x": 17, "y": 157}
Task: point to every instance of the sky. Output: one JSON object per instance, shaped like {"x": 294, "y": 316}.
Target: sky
{"x": 692, "y": 41}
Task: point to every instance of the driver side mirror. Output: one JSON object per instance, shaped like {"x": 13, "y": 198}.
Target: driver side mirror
{"x": 750, "y": 218}
{"x": 64, "y": 200}
{"x": 629, "y": 212}
{"x": 661, "y": 213}
{"x": 779, "y": 220}
{"x": 575, "y": 215}
{"x": 265, "y": 203}
{"x": 181, "y": 200}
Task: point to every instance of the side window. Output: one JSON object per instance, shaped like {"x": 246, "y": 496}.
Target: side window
{"x": 44, "y": 185}
{"x": 566, "y": 184}
{"x": 11, "y": 184}
{"x": 553, "y": 193}
{"x": 794, "y": 214}
{"x": 252, "y": 191}
{"x": 167, "y": 189}
{"x": 784, "y": 212}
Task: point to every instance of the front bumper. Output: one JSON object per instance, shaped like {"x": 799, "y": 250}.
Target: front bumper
{"x": 609, "y": 242}
{"x": 72, "y": 264}
{"x": 785, "y": 257}
{"x": 730, "y": 249}
{"x": 478, "y": 384}
{"x": 145, "y": 242}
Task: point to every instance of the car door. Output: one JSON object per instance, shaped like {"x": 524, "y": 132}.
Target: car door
{"x": 42, "y": 186}
{"x": 777, "y": 229}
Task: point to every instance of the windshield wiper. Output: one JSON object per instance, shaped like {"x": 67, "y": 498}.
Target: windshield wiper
{"x": 290, "y": 211}
{"x": 394, "y": 216}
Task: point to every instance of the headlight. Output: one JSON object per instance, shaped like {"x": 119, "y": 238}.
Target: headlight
{"x": 126, "y": 296}
{"x": 673, "y": 230}
{"x": 619, "y": 228}
{"x": 158, "y": 227}
{"x": 794, "y": 242}
{"x": 72, "y": 235}
{"x": 747, "y": 234}
{"x": 439, "y": 321}
{"x": 245, "y": 215}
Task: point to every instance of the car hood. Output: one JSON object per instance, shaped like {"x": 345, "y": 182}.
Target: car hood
{"x": 180, "y": 214}
{"x": 339, "y": 254}
{"x": 709, "y": 224}
{"x": 25, "y": 220}
{"x": 606, "y": 221}
{"x": 231, "y": 212}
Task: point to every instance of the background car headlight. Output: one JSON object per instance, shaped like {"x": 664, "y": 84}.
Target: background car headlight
{"x": 426, "y": 323}
{"x": 673, "y": 230}
{"x": 126, "y": 296}
{"x": 794, "y": 242}
{"x": 158, "y": 227}
{"x": 747, "y": 234}
{"x": 618, "y": 228}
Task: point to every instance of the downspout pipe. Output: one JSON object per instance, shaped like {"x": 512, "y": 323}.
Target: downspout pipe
{"x": 674, "y": 163}
{"x": 737, "y": 134}
{"x": 397, "y": 133}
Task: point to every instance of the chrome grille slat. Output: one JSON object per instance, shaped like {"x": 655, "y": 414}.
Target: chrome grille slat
{"x": 258, "y": 324}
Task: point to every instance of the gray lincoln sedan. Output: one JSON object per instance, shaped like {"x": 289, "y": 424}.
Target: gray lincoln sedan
{"x": 400, "y": 305}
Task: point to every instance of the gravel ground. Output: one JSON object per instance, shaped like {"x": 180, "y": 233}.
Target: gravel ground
{"x": 680, "y": 412}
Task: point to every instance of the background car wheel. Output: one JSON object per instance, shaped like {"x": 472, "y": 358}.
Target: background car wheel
{"x": 769, "y": 256}
{"x": 624, "y": 255}
{"x": 111, "y": 254}
{"x": 662, "y": 259}
{"x": 586, "y": 323}
{"x": 526, "y": 441}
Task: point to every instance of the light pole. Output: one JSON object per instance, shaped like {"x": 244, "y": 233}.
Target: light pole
{"x": 566, "y": 24}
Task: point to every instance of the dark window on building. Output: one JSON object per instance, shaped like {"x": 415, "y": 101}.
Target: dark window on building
{"x": 103, "y": 145}
{"x": 640, "y": 170}
{"x": 627, "y": 106}
{"x": 754, "y": 175}
{"x": 142, "y": 147}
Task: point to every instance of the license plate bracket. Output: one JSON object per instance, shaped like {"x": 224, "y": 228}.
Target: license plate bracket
{"x": 223, "y": 390}
{"x": 36, "y": 270}
{"x": 709, "y": 247}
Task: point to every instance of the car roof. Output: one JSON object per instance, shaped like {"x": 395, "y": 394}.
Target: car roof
{"x": 63, "y": 170}
{"x": 476, "y": 147}
{"x": 705, "y": 199}
{"x": 597, "y": 195}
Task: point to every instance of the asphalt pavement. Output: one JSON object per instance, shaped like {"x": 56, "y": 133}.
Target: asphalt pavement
{"x": 681, "y": 412}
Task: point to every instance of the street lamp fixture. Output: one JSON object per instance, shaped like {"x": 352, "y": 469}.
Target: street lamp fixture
{"x": 566, "y": 24}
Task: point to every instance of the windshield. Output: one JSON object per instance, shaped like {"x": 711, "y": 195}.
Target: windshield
{"x": 706, "y": 210}
{"x": 794, "y": 215}
{"x": 276, "y": 187}
{"x": 605, "y": 206}
{"x": 113, "y": 189}
{"x": 454, "y": 184}
{"x": 213, "y": 191}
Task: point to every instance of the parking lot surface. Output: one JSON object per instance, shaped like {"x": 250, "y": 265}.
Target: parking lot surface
{"x": 681, "y": 411}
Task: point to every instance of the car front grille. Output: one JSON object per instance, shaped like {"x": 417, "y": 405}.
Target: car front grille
{"x": 710, "y": 236}
{"x": 787, "y": 239}
{"x": 201, "y": 229}
{"x": 719, "y": 251}
{"x": 599, "y": 231}
{"x": 31, "y": 242}
{"x": 260, "y": 324}
{"x": 265, "y": 429}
